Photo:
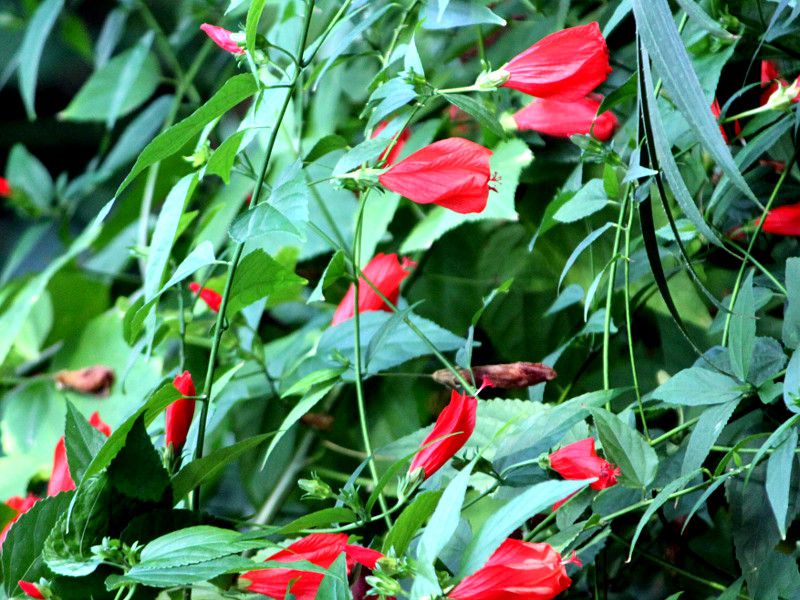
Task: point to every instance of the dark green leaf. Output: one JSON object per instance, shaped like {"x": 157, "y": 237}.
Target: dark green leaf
{"x": 410, "y": 520}
{"x": 742, "y": 337}
{"x": 221, "y": 162}
{"x": 31, "y": 48}
{"x": 137, "y": 470}
{"x": 626, "y": 448}
{"x": 261, "y": 276}
{"x": 697, "y": 386}
{"x": 82, "y": 441}
{"x": 779, "y": 479}
{"x": 705, "y": 434}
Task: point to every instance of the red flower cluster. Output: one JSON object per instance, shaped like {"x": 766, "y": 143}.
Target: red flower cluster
{"x": 562, "y": 70}
{"x": 320, "y": 549}
{"x": 60, "y": 478}
{"x": 453, "y": 173}
{"x": 579, "y": 460}
{"x": 20, "y": 506}
{"x": 517, "y": 570}
{"x": 180, "y": 413}
{"x": 452, "y": 429}
{"x": 222, "y": 38}
{"x": 386, "y": 272}
{"x": 207, "y": 295}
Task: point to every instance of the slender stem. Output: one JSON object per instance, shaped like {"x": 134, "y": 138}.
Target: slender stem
{"x": 751, "y": 245}
{"x": 629, "y": 319}
{"x": 237, "y": 254}
{"x": 671, "y": 432}
{"x": 612, "y": 275}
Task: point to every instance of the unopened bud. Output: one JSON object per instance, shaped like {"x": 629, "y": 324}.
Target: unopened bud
{"x": 315, "y": 488}
{"x": 491, "y": 80}
{"x": 96, "y": 380}
{"x": 784, "y": 96}
{"x": 506, "y": 376}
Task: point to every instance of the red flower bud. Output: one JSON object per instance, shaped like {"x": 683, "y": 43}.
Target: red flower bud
{"x": 453, "y": 173}
{"x": 564, "y": 118}
{"x": 452, "y": 429}
{"x": 60, "y": 477}
{"x": 5, "y": 188}
{"x": 771, "y": 80}
{"x": 20, "y": 506}
{"x": 222, "y": 38}
{"x": 783, "y": 220}
{"x": 180, "y": 412}
{"x": 386, "y": 272}
{"x": 390, "y": 156}
{"x": 30, "y": 589}
{"x": 517, "y": 569}
{"x": 320, "y": 549}
{"x": 567, "y": 64}
{"x": 579, "y": 460}
{"x": 207, "y": 295}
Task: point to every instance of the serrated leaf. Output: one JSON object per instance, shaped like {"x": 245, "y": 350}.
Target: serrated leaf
{"x": 194, "y": 545}
{"x": 82, "y": 441}
{"x": 626, "y": 448}
{"x": 137, "y": 470}
{"x": 697, "y": 386}
{"x": 233, "y": 91}
{"x": 261, "y": 276}
{"x": 167, "y": 577}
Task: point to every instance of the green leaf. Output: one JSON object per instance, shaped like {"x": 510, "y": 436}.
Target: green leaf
{"x": 262, "y": 220}
{"x": 251, "y": 24}
{"x": 459, "y": 13}
{"x": 511, "y": 516}
{"x": 194, "y": 545}
{"x": 201, "y": 256}
{"x": 779, "y": 479}
{"x": 791, "y": 383}
{"x": 791, "y": 316}
{"x": 82, "y": 441}
{"x": 233, "y": 91}
{"x": 103, "y": 97}
{"x": 221, "y": 162}
{"x": 705, "y": 434}
{"x": 476, "y": 108}
{"x": 324, "y": 146}
{"x": 170, "y": 576}
{"x": 585, "y": 243}
{"x": 659, "y": 501}
{"x": 137, "y": 470}
{"x": 410, "y": 520}
{"x": 335, "y": 270}
{"x": 205, "y": 469}
{"x": 660, "y": 36}
{"x": 697, "y": 386}
{"x": 626, "y": 448}
{"x": 334, "y": 585}
{"x": 30, "y": 50}
{"x": 742, "y": 337}
{"x": 704, "y": 21}
{"x": 321, "y": 518}
{"x": 165, "y": 233}
{"x": 261, "y": 276}
{"x": 441, "y": 527}
{"x": 68, "y": 548}
{"x": 22, "y": 548}
{"x": 590, "y": 199}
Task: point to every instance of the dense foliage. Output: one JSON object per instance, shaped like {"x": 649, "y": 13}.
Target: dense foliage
{"x": 400, "y": 299}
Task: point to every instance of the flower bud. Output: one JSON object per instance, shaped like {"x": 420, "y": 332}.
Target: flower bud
{"x": 506, "y": 376}
{"x": 96, "y": 380}
{"x": 315, "y": 488}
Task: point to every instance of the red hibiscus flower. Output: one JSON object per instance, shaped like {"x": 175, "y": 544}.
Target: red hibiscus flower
{"x": 5, "y": 188}
{"x": 31, "y": 589}
{"x": 567, "y": 64}
{"x": 783, "y": 220}
{"x": 60, "y": 477}
{"x": 20, "y": 506}
{"x": 517, "y": 570}
{"x": 564, "y": 118}
{"x": 386, "y": 272}
{"x": 207, "y": 295}
{"x": 453, "y": 173}
{"x": 180, "y": 412}
{"x": 451, "y": 431}
{"x": 222, "y": 38}
{"x": 320, "y": 549}
{"x": 579, "y": 460}
{"x": 390, "y": 156}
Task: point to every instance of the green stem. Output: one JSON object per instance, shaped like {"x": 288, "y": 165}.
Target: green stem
{"x": 612, "y": 275}
{"x": 751, "y": 245}
{"x": 220, "y": 326}
{"x": 671, "y": 432}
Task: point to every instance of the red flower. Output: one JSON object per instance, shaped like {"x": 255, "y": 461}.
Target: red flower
{"x": 716, "y": 111}
{"x": 563, "y": 118}
{"x": 453, "y": 173}
{"x": 456, "y": 422}
{"x": 222, "y": 38}
{"x": 180, "y": 412}
{"x": 60, "y": 477}
{"x": 5, "y": 188}
{"x": 207, "y": 295}
{"x": 20, "y": 506}
{"x": 567, "y": 64}
{"x": 392, "y": 155}
{"x": 320, "y": 549}
{"x": 386, "y": 272}
{"x": 517, "y": 570}
{"x": 30, "y": 589}
{"x": 783, "y": 220}
{"x": 579, "y": 460}
{"x": 770, "y": 79}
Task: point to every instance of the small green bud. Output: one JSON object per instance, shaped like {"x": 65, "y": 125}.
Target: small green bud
{"x": 315, "y": 488}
